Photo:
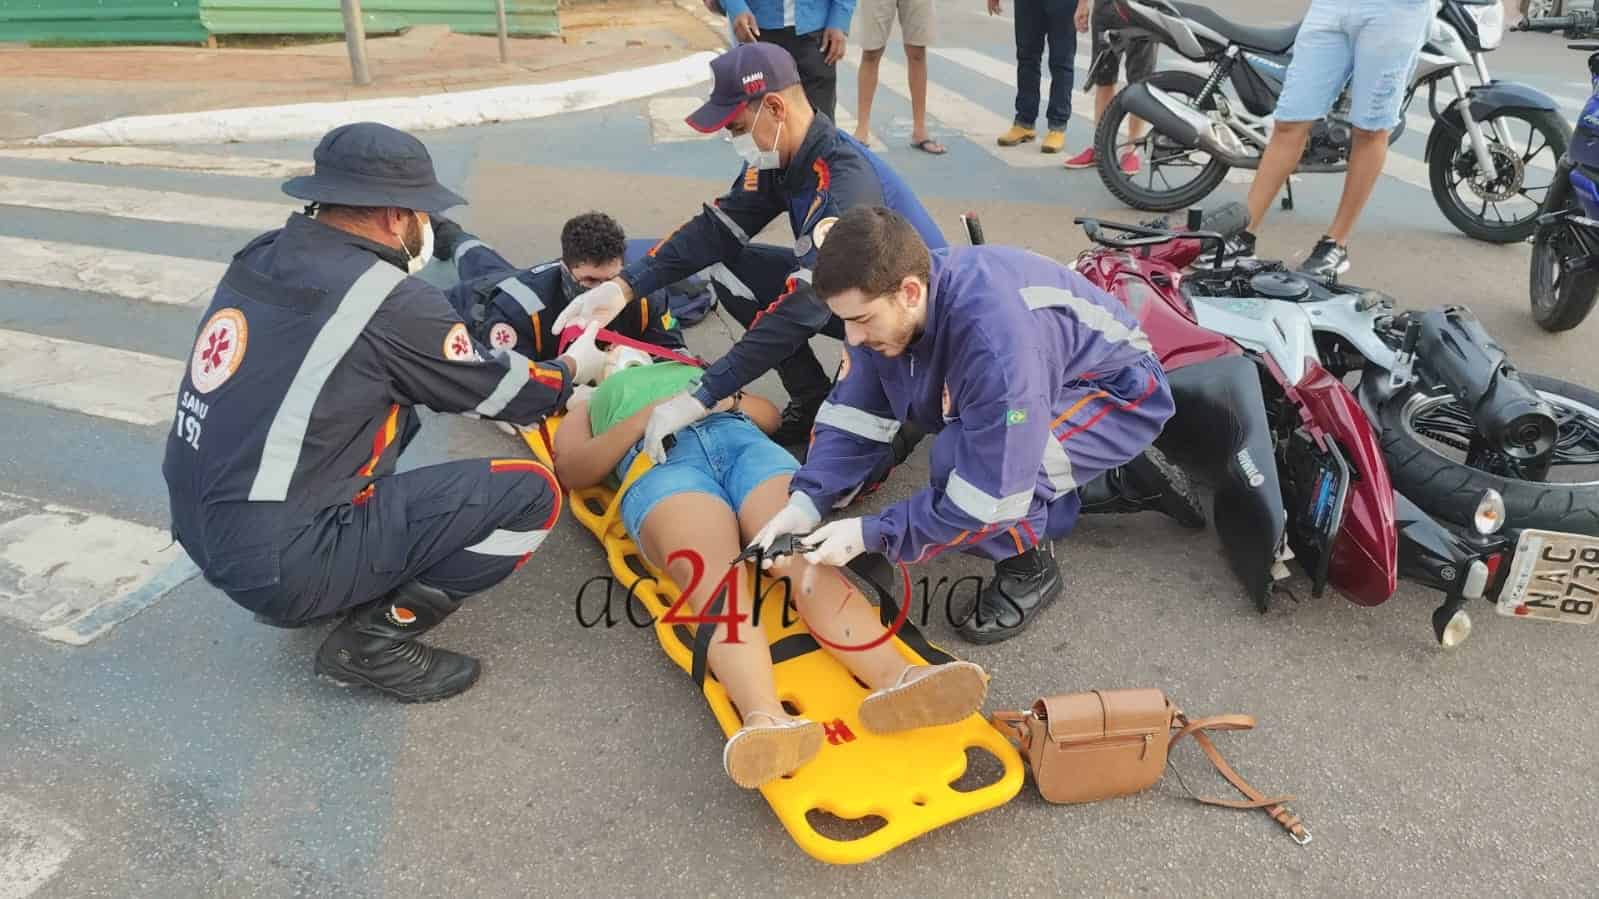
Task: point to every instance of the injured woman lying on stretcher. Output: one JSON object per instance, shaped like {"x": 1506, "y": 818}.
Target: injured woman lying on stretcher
{"x": 722, "y": 480}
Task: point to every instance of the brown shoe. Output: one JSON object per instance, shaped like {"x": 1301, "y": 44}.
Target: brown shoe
{"x": 926, "y": 696}
{"x": 1017, "y": 135}
{"x": 1054, "y": 142}
{"x": 760, "y": 753}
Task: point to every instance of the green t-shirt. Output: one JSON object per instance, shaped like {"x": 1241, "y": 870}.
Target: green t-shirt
{"x": 631, "y": 389}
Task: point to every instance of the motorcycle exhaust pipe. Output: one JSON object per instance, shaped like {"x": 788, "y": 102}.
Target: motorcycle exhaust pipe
{"x": 1506, "y": 411}
{"x": 1183, "y": 124}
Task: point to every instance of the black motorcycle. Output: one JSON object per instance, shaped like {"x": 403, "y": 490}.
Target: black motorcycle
{"x": 1483, "y": 152}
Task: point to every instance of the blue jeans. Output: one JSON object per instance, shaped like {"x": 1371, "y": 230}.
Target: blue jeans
{"x": 724, "y": 455}
{"x": 1038, "y": 21}
{"x": 1371, "y": 45}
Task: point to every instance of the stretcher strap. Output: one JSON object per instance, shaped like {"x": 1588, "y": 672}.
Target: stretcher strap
{"x": 800, "y": 644}
{"x": 574, "y": 332}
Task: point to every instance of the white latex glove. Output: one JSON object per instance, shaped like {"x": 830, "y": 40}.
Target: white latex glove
{"x": 668, "y": 418}
{"x": 588, "y": 359}
{"x": 598, "y": 305}
{"x": 580, "y": 394}
{"x": 836, "y": 542}
{"x": 795, "y": 518}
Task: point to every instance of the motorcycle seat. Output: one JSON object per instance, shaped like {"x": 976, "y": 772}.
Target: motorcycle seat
{"x": 1270, "y": 39}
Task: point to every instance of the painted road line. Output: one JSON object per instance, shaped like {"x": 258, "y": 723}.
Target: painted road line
{"x": 71, "y": 575}
{"x": 977, "y": 123}
{"x": 137, "y": 276}
{"x": 88, "y": 378}
{"x": 33, "y": 847}
{"x": 240, "y": 166}
{"x": 138, "y": 203}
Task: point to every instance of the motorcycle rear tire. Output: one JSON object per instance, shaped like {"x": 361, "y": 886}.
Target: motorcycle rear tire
{"x": 1561, "y": 308}
{"x": 1450, "y": 491}
{"x": 1108, "y": 161}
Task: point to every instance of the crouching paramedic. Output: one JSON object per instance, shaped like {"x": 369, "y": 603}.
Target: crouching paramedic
{"x": 298, "y": 399}
{"x": 510, "y": 308}
{"x": 1033, "y": 380}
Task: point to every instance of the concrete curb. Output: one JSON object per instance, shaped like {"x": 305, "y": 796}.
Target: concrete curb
{"x": 717, "y": 24}
{"x": 424, "y": 113}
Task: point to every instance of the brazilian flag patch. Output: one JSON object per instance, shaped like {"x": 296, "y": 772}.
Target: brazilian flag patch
{"x": 667, "y": 321}
{"x": 1015, "y": 417}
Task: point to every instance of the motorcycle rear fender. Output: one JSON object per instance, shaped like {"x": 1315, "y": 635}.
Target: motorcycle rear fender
{"x": 1487, "y": 101}
{"x": 1432, "y": 554}
{"x": 1364, "y": 565}
{"x": 1221, "y": 422}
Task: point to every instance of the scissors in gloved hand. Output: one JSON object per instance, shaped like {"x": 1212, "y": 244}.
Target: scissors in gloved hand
{"x": 783, "y": 545}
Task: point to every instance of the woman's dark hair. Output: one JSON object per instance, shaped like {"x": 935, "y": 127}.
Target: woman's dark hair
{"x": 592, "y": 238}
{"x": 871, "y": 249}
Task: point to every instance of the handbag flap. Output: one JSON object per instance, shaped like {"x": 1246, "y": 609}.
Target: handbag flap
{"x": 1135, "y": 712}
{"x": 1075, "y": 717}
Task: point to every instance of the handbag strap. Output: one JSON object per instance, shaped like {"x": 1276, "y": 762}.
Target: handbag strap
{"x": 1273, "y": 806}
{"x": 1013, "y": 726}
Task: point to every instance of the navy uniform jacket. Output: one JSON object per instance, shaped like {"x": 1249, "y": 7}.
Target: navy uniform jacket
{"x": 301, "y": 386}
{"x": 1019, "y": 355}
{"x": 829, "y": 175}
{"x": 511, "y": 308}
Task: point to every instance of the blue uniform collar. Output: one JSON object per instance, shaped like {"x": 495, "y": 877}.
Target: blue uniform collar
{"x": 817, "y": 138}
{"x": 303, "y": 234}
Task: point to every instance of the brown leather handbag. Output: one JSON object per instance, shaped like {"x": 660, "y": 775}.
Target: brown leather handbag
{"x": 1083, "y": 747}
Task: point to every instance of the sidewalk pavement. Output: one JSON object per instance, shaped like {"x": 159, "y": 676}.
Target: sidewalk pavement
{"x": 60, "y": 89}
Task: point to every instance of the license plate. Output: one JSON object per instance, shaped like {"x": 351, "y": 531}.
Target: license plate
{"x": 1554, "y": 577}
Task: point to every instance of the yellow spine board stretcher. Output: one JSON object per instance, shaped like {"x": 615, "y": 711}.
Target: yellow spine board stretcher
{"x": 904, "y": 779}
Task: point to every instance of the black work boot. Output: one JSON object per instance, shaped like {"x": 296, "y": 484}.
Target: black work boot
{"x": 1022, "y": 586}
{"x": 1149, "y": 483}
{"x": 376, "y": 647}
{"x": 807, "y": 386}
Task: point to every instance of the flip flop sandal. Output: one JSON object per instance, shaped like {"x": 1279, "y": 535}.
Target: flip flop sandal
{"x": 945, "y": 695}
{"x": 922, "y": 145}
{"x": 757, "y": 754}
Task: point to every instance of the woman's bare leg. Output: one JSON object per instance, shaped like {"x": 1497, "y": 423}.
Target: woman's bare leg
{"x": 771, "y": 743}
{"x": 904, "y": 696}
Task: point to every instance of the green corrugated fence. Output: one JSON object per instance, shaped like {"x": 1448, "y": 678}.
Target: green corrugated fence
{"x": 192, "y": 21}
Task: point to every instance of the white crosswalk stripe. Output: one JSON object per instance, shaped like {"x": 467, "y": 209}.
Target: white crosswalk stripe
{"x": 84, "y": 377}
{"x": 139, "y": 203}
{"x": 146, "y": 157}
{"x": 137, "y": 276}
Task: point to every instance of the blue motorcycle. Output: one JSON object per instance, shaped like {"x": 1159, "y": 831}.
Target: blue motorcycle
{"x": 1565, "y": 248}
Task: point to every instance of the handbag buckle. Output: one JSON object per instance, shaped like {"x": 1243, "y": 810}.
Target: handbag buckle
{"x": 1305, "y": 841}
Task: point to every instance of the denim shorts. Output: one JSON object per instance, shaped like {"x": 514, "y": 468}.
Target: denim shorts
{"x": 724, "y": 455}
{"x": 1372, "y": 45}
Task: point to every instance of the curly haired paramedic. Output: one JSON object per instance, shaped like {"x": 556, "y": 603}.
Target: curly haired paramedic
{"x": 1034, "y": 381}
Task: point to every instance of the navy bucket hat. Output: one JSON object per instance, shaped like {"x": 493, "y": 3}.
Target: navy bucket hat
{"x": 370, "y": 164}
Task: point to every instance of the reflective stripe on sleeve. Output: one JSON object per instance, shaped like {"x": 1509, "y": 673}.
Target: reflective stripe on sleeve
{"x": 981, "y": 506}
{"x": 857, "y": 422}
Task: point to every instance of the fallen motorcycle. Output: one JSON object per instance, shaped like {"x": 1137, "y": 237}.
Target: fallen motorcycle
{"x": 1565, "y": 250}
{"x": 1348, "y": 483}
{"x": 1489, "y": 152}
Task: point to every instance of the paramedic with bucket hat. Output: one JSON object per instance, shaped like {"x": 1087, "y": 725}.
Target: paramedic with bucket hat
{"x": 300, "y": 395}
{"x": 798, "y": 164}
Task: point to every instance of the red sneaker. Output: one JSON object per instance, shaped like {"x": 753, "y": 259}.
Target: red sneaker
{"x": 1131, "y": 163}
{"x": 1083, "y": 160}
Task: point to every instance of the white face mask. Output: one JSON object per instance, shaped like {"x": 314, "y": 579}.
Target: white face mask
{"x": 745, "y": 146}
{"x": 414, "y": 264}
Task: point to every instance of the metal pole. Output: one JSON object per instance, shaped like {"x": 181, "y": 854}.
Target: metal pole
{"x": 355, "y": 36}
{"x": 505, "y": 53}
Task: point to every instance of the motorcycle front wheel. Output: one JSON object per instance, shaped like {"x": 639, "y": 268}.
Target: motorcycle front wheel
{"x": 1478, "y": 205}
{"x": 1160, "y": 157}
{"x": 1426, "y": 439}
{"x": 1560, "y": 299}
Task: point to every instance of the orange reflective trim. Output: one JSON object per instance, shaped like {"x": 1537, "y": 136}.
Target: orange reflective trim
{"x": 1077, "y": 405}
{"x": 752, "y": 179}
{"x": 538, "y": 336}
{"x": 365, "y": 494}
{"x": 382, "y": 440}
{"x": 824, "y": 174}
{"x": 1018, "y": 540}
{"x": 514, "y": 465}
{"x": 552, "y": 380}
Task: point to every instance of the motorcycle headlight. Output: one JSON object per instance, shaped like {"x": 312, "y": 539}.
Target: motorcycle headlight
{"x": 1490, "y": 24}
{"x": 1490, "y": 514}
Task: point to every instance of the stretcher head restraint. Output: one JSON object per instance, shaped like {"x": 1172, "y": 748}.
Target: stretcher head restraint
{"x": 904, "y": 779}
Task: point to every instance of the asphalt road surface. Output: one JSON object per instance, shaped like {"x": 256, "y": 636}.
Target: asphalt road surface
{"x": 155, "y": 741}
